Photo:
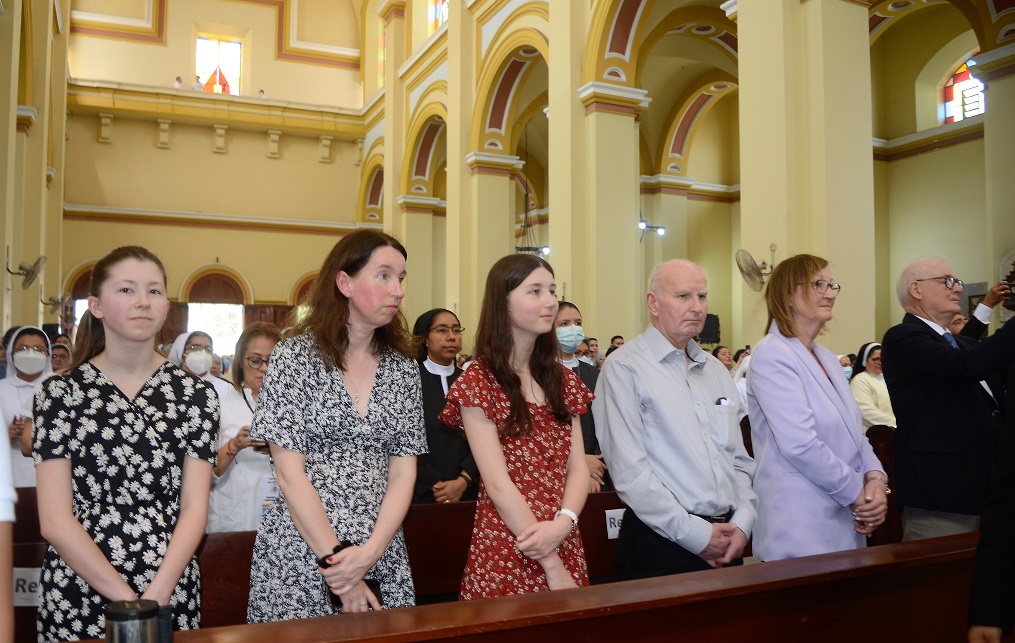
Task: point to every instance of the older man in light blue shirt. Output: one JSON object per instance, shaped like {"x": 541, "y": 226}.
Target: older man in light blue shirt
{"x": 666, "y": 416}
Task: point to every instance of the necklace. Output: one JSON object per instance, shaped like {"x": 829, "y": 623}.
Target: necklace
{"x": 347, "y": 377}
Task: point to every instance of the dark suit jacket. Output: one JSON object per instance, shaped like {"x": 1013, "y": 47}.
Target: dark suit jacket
{"x": 449, "y": 451}
{"x": 589, "y": 375}
{"x": 992, "y": 601}
{"x": 974, "y": 329}
{"x": 947, "y": 423}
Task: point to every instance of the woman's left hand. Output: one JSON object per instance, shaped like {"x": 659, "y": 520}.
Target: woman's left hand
{"x": 348, "y": 568}
{"x": 870, "y": 509}
{"x": 358, "y": 598}
{"x": 539, "y": 539}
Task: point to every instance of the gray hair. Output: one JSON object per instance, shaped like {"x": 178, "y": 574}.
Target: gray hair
{"x": 656, "y": 276}
{"x": 919, "y": 269}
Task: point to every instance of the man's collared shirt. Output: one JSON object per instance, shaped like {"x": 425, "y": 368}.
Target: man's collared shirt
{"x": 670, "y": 434}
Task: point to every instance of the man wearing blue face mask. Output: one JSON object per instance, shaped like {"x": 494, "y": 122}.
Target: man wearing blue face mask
{"x": 570, "y": 335}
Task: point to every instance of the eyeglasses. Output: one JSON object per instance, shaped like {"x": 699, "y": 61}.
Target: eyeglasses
{"x": 947, "y": 280}
{"x": 37, "y": 349}
{"x": 56, "y": 357}
{"x": 255, "y": 362}
{"x": 443, "y": 330}
{"x": 196, "y": 348}
{"x": 823, "y": 286}
{"x": 583, "y": 354}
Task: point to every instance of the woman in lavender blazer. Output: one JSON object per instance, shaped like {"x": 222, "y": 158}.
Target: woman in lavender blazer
{"x": 820, "y": 487}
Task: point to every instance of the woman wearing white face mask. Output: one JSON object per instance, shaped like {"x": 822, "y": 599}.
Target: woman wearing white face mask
{"x": 28, "y": 366}
{"x": 192, "y": 351}
{"x": 568, "y": 325}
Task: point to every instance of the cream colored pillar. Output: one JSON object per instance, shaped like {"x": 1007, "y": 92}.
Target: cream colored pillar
{"x": 569, "y": 236}
{"x": 664, "y": 204}
{"x": 392, "y": 12}
{"x": 492, "y": 214}
{"x": 996, "y": 69}
{"x": 616, "y": 289}
{"x": 806, "y": 161}
{"x": 57, "y": 123}
{"x": 10, "y": 46}
{"x": 417, "y": 219}
{"x": 463, "y": 281}
{"x": 31, "y": 216}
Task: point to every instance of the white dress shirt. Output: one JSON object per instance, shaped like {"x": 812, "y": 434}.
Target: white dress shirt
{"x": 670, "y": 435}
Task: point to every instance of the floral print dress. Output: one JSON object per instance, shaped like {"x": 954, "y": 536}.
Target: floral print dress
{"x": 305, "y": 407}
{"x": 126, "y": 457}
{"x": 537, "y": 465}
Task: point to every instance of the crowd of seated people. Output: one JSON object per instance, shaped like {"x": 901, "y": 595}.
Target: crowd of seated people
{"x": 320, "y": 440}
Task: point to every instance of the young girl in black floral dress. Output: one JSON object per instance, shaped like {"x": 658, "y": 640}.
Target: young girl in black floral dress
{"x": 124, "y": 445}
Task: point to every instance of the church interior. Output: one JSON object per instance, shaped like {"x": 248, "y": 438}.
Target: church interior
{"x": 817, "y": 127}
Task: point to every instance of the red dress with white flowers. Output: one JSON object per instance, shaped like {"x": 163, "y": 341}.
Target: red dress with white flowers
{"x": 537, "y": 465}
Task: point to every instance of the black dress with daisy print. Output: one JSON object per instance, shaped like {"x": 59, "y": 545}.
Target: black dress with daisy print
{"x": 126, "y": 458}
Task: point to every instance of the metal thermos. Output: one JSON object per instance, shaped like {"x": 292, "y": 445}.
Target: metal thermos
{"x": 132, "y": 621}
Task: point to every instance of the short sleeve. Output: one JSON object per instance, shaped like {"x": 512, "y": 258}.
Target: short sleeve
{"x": 280, "y": 415}
{"x": 52, "y": 432}
{"x": 577, "y": 396}
{"x": 410, "y": 435}
{"x": 475, "y": 388}
{"x": 204, "y": 422}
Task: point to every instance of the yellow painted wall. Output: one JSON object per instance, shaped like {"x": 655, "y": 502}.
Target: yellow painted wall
{"x": 897, "y": 58}
{"x": 709, "y": 243}
{"x": 937, "y": 207}
{"x": 135, "y": 9}
{"x": 714, "y": 156}
{"x": 271, "y": 261}
{"x": 130, "y": 62}
{"x": 328, "y": 22}
{"x": 885, "y": 304}
{"x": 132, "y": 172}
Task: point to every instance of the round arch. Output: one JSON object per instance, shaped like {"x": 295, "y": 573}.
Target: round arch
{"x": 371, "y": 189}
{"x": 708, "y": 25}
{"x": 426, "y": 130}
{"x": 301, "y": 287}
{"x": 688, "y": 112}
{"x": 611, "y": 36}
{"x": 205, "y": 275}
{"x": 505, "y": 67}
{"x": 79, "y": 279}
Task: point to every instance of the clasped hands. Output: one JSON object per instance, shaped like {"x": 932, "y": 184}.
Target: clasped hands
{"x": 539, "y": 541}
{"x": 726, "y": 545}
{"x": 345, "y": 579}
{"x": 870, "y": 508}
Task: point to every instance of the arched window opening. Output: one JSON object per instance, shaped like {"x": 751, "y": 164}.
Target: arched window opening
{"x": 438, "y": 14}
{"x": 215, "y": 306}
{"x": 963, "y": 96}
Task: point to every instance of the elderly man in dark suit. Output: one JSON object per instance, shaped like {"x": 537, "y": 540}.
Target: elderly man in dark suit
{"x": 948, "y": 395}
{"x": 992, "y": 601}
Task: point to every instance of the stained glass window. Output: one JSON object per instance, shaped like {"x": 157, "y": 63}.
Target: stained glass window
{"x": 440, "y": 14}
{"x": 217, "y": 65}
{"x": 963, "y": 96}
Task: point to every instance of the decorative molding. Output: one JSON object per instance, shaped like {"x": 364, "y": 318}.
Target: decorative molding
{"x": 388, "y": 10}
{"x": 151, "y": 29}
{"x": 692, "y": 189}
{"x": 324, "y": 149}
{"x": 163, "y": 142}
{"x": 219, "y": 142}
{"x": 105, "y": 127}
{"x": 287, "y": 47}
{"x": 936, "y": 138}
{"x": 486, "y": 163}
{"x": 73, "y": 211}
{"x": 26, "y": 117}
{"x": 200, "y": 108}
{"x": 597, "y": 96}
{"x": 412, "y": 204}
{"x": 273, "y": 136}
{"x": 730, "y": 7}
{"x": 423, "y": 50}
{"x": 994, "y": 64}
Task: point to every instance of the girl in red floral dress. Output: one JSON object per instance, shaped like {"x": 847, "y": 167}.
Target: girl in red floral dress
{"x": 519, "y": 408}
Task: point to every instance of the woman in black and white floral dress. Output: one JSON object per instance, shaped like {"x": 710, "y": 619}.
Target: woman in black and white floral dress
{"x": 342, "y": 412}
{"x": 124, "y": 444}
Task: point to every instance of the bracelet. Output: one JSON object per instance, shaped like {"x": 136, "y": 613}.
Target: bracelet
{"x": 570, "y": 514}
{"x": 882, "y": 481}
{"x": 468, "y": 480}
{"x": 323, "y": 563}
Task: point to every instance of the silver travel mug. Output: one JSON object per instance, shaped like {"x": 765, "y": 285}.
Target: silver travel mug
{"x": 132, "y": 621}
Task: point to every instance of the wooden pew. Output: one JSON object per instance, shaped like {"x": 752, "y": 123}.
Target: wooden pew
{"x": 906, "y": 592}
{"x": 881, "y": 439}
{"x": 437, "y": 537}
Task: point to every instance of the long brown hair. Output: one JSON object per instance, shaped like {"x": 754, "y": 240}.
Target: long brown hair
{"x": 256, "y": 329}
{"x": 495, "y": 344}
{"x": 91, "y": 337}
{"x": 328, "y": 313}
{"x": 787, "y": 276}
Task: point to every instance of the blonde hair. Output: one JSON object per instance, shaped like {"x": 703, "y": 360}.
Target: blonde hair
{"x": 789, "y": 274}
